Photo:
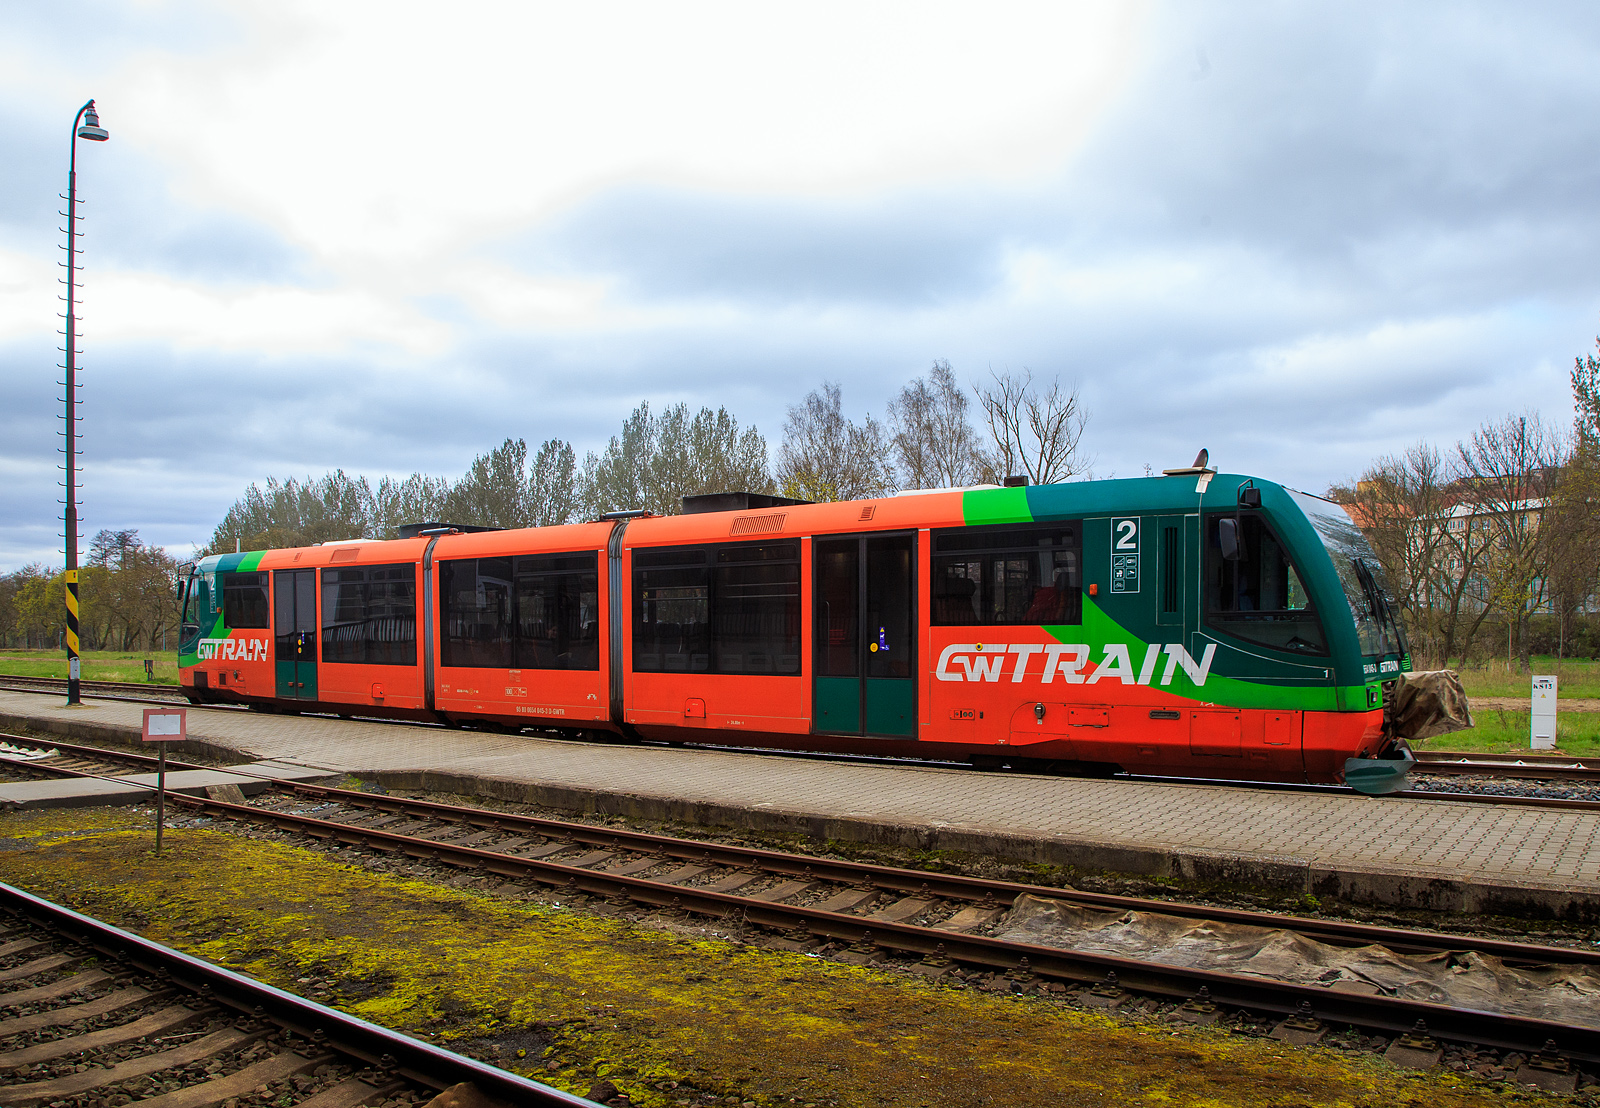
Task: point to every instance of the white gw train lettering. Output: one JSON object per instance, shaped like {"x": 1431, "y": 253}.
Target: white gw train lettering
{"x": 233, "y": 650}
{"x": 988, "y": 662}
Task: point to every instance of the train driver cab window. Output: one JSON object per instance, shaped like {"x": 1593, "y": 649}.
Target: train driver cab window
{"x": 244, "y": 600}
{"x": 1259, "y": 596}
{"x": 199, "y": 604}
{"x": 1008, "y": 575}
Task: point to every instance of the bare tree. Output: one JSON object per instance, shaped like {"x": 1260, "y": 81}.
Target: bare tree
{"x": 1034, "y": 433}
{"x": 1572, "y": 519}
{"x": 1433, "y": 542}
{"x": 934, "y": 444}
{"x": 1510, "y": 469}
{"x": 827, "y": 457}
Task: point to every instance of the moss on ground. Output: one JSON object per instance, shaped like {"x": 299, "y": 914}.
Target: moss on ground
{"x": 568, "y": 997}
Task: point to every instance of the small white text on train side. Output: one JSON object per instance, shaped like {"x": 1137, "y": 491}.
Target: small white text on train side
{"x": 965, "y": 661}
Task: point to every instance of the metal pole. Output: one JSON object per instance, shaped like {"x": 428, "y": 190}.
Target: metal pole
{"x": 70, "y": 517}
{"x": 161, "y": 793}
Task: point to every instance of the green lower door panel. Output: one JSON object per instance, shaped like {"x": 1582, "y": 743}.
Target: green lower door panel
{"x": 837, "y": 705}
{"x": 891, "y": 704}
{"x": 296, "y": 680}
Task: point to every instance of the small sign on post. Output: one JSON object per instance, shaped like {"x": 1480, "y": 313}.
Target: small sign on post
{"x": 164, "y": 725}
{"x": 1543, "y": 717}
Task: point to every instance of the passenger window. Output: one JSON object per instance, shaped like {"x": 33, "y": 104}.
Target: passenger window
{"x": 533, "y": 611}
{"x": 1008, "y": 575}
{"x": 558, "y": 611}
{"x": 369, "y": 614}
{"x": 475, "y": 613}
{"x": 731, "y": 608}
{"x": 1259, "y": 597}
{"x": 244, "y": 600}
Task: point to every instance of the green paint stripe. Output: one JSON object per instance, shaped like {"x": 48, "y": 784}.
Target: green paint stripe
{"x": 1098, "y": 629}
{"x": 995, "y": 506}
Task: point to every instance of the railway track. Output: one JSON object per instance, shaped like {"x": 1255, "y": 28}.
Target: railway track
{"x": 1533, "y": 766}
{"x": 108, "y": 690}
{"x": 936, "y": 925}
{"x": 90, "y": 1013}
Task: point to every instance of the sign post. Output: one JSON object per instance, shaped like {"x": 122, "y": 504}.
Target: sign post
{"x": 163, "y": 726}
{"x": 1542, "y": 720}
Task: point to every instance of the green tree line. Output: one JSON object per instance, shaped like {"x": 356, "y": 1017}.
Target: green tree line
{"x": 933, "y": 435}
{"x": 126, "y": 594}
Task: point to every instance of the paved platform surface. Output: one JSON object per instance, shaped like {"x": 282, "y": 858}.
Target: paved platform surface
{"x": 1421, "y": 853}
{"x": 135, "y": 788}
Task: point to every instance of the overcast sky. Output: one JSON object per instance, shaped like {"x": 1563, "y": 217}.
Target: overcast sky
{"x": 386, "y": 236}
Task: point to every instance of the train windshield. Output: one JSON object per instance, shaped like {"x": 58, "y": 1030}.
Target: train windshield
{"x": 198, "y": 602}
{"x": 1366, "y": 587}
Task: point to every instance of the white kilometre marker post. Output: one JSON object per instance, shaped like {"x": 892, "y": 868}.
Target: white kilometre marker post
{"x": 1543, "y": 717}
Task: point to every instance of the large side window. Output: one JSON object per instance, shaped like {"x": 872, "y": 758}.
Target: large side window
{"x": 558, "y": 611}
{"x": 533, "y": 611}
{"x": 730, "y": 608}
{"x": 1008, "y": 575}
{"x": 1259, "y": 596}
{"x": 475, "y": 613}
{"x": 244, "y": 600}
{"x": 369, "y": 614}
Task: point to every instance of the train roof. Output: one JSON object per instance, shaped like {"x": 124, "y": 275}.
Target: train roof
{"x": 1184, "y": 492}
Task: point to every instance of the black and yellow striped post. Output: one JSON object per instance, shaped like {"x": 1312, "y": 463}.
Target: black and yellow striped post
{"x": 72, "y": 636}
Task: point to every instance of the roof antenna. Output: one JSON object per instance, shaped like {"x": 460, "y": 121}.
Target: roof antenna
{"x": 1202, "y": 458}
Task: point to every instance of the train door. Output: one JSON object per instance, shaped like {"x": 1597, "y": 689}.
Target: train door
{"x": 864, "y": 626}
{"x": 294, "y": 626}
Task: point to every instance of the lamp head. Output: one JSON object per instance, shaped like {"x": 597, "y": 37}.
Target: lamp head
{"x": 91, "y": 128}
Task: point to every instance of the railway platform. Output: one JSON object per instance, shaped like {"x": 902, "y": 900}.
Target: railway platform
{"x": 133, "y": 788}
{"x": 1435, "y": 854}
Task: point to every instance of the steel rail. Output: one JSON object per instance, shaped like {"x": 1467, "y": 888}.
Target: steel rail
{"x": 888, "y": 878}
{"x": 417, "y": 1061}
{"x": 1534, "y": 766}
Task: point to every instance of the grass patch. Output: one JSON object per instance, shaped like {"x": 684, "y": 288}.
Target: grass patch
{"x": 98, "y": 665}
{"x": 582, "y": 997}
{"x": 1574, "y": 678}
{"x": 1506, "y": 732}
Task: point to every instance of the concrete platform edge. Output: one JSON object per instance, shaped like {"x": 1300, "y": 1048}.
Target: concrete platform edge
{"x": 78, "y": 728}
{"x": 1419, "y": 890}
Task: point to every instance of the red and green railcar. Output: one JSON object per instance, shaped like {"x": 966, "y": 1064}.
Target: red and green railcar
{"x": 1199, "y": 625}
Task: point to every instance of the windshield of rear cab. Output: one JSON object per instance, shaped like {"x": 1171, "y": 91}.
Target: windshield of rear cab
{"x": 1346, "y": 545}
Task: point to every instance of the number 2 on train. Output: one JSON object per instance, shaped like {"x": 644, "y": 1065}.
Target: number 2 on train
{"x": 1125, "y": 536}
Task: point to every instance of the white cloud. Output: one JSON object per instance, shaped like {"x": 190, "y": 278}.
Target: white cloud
{"x": 386, "y": 131}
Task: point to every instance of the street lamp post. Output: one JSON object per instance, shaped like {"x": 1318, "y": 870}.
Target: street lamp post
{"x": 92, "y": 130}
